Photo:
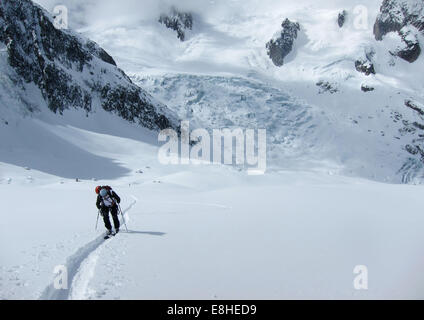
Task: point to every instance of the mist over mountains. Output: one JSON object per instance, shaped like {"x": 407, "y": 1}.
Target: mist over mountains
{"x": 362, "y": 78}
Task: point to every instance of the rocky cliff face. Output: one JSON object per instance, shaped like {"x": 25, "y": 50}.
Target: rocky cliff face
{"x": 342, "y": 18}
{"x": 70, "y": 71}
{"x": 406, "y": 17}
{"x": 178, "y": 21}
{"x": 364, "y": 66}
{"x": 282, "y": 45}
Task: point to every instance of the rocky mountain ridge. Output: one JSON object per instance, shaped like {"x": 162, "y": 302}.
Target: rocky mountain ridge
{"x": 69, "y": 70}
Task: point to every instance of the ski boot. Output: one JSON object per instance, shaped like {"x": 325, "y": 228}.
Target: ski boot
{"x": 108, "y": 234}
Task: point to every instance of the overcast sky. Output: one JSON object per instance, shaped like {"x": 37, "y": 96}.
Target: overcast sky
{"x": 127, "y": 12}
{"x": 88, "y": 12}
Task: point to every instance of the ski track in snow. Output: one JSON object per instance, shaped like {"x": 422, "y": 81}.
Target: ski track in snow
{"x": 80, "y": 267}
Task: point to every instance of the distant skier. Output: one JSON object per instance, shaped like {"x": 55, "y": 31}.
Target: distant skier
{"x": 107, "y": 201}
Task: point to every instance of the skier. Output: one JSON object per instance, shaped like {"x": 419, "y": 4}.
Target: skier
{"x": 107, "y": 201}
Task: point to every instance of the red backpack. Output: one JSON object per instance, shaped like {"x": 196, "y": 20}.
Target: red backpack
{"x": 108, "y": 188}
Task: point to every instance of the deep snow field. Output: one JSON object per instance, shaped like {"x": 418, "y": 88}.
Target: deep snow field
{"x": 200, "y": 232}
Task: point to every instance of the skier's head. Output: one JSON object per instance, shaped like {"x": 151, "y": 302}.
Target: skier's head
{"x": 103, "y": 192}
{"x": 98, "y": 188}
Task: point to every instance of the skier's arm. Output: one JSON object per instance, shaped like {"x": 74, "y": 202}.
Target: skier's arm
{"x": 114, "y": 195}
{"x": 98, "y": 205}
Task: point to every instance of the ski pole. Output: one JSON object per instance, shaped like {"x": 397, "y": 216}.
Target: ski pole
{"x": 97, "y": 221}
{"x": 123, "y": 218}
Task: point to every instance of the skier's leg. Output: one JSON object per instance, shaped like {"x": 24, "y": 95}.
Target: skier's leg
{"x": 114, "y": 211}
{"x": 105, "y": 214}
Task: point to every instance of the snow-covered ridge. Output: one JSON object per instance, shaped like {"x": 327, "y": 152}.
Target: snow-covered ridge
{"x": 63, "y": 70}
{"x": 396, "y": 14}
{"x": 282, "y": 44}
{"x": 360, "y": 92}
{"x": 407, "y": 19}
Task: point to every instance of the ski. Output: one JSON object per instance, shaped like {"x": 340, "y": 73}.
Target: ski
{"x": 108, "y": 236}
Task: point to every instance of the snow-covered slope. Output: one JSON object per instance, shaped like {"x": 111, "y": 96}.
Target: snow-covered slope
{"x": 207, "y": 232}
{"x": 366, "y": 125}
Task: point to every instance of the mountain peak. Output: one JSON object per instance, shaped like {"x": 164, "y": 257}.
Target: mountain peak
{"x": 69, "y": 70}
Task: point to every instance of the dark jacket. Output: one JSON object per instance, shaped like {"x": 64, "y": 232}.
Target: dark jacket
{"x": 112, "y": 194}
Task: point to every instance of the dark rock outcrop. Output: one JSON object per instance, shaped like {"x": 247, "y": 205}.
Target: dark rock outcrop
{"x": 406, "y": 18}
{"x": 413, "y": 127}
{"x": 411, "y": 49}
{"x": 178, "y": 21}
{"x": 415, "y": 150}
{"x": 70, "y": 71}
{"x": 414, "y": 106}
{"x": 280, "y": 47}
{"x": 364, "y": 66}
{"x": 342, "y": 18}
{"x": 396, "y": 14}
{"x": 366, "y": 88}
{"x": 99, "y": 52}
{"x": 390, "y": 19}
{"x": 326, "y": 86}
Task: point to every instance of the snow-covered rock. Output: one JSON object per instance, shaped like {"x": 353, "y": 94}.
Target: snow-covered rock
{"x": 67, "y": 70}
{"x": 395, "y": 14}
{"x": 406, "y": 17}
{"x": 279, "y": 47}
{"x": 366, "y": 88}
{"x": 410, "y": 50}
{"x": 364, "y": 66}
{"x": 342, "y": 18}
{"x": 178, "y": 21}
